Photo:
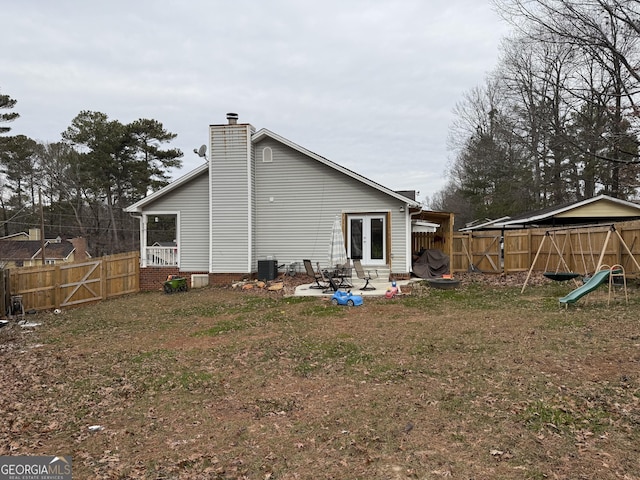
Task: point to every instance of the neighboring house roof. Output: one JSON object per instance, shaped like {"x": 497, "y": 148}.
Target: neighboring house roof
{"x": 485, "y": 224}
{"x": 596, "y": 210}
{"x": 164, "y": 244}
{"x": 30, "y": 249}
{"x": 256, "y": 137}
{"x": 16, "y": 236}
{"x": 59, "y": 251}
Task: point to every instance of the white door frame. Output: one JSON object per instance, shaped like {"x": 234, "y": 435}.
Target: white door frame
{"x": 365, "y": 242}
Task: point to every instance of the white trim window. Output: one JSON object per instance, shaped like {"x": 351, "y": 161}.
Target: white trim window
{"x": 267, "y": 155}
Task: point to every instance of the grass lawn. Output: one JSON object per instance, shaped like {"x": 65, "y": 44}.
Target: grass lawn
{"x": 477, "y": 383}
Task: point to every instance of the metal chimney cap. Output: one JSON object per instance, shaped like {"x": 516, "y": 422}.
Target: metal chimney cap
{"x": 232, "y": 117}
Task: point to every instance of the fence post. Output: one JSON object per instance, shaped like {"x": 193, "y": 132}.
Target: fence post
{"x": 104, "y": 291}
{"x": 3, "y": 294}
{"x": 529, "y": 259}
{"x": 505, "y": 253}
{"x": 137, "y": 267}
{"x": 57, "y": 287}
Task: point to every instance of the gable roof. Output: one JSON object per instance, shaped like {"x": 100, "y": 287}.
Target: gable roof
{"x": 29, "y": 249}
{"x": 596, "y": 210}
{"x": 16, "y": 236}
{"x": 255, "y": 138}
{"x": 137, "y": 207}
{"x": 263, "y": 133}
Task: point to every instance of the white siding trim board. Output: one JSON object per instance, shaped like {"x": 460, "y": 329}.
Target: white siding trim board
{"x": 250, "y": 183}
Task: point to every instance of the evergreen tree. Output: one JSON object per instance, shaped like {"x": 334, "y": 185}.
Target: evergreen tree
{"x": 116, "y": 165}
{"x": 7, "y": 103}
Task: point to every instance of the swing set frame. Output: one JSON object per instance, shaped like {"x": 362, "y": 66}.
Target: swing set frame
{"x": 549, "y": 234}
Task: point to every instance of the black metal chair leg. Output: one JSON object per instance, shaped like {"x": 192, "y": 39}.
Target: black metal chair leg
{"x": 367, "y": 287}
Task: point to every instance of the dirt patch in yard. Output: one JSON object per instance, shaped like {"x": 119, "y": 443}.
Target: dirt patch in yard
{"x": 223, "y": 383}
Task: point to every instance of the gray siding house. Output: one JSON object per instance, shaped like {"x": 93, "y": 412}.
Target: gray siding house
{"x": 260, "y": 196}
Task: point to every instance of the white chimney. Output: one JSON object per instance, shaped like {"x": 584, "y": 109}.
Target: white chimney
{"x": 34, "y": 234}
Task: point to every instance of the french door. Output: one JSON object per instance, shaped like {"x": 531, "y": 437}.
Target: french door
{"x": 367, "y": 238}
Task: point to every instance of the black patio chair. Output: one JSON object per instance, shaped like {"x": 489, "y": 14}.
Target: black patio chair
{"x": 317, "y": 276}
{"x": 365, "y": 275}
{"x": 333, "y": 286}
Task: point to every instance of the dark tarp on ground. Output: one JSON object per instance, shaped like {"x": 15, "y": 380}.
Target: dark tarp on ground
{"x": 431, "y": 263}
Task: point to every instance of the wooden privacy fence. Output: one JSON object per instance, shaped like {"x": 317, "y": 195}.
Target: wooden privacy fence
{"x": 66, "y": 285}
{"x": 576, "y": 250}
{"x": 479, "y": 251}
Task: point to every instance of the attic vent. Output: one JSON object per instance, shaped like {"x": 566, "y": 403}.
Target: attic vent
{"x": 232, "y": 118}
{"x": 267, "y": 155}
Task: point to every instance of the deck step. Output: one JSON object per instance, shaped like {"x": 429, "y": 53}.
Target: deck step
{"x": 383, "y": 272}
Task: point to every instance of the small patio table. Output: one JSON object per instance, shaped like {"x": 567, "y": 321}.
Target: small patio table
{"x": 344, "y": 275}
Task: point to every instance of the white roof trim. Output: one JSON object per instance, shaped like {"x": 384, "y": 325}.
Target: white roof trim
{"x": 420, "y": 226}
{"x": 263, "y": 132}
{"x": 521, "y": 221}
{"x": 595, "y": 199}
{"x": 497, "y": 221}
{"x": 138, "y": 206}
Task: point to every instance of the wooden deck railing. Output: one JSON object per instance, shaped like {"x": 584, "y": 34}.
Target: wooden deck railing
{"x": 161, "y": 257}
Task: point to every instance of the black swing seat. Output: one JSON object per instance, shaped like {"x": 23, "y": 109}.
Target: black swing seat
{"x": 561, "y": 276}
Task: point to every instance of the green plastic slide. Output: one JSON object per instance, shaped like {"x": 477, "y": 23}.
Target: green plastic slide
{"x": 594, "y": 282}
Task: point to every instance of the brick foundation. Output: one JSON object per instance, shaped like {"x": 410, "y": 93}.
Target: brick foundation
{"x": 400, "y": 276}
{"x": 153, "y": 278}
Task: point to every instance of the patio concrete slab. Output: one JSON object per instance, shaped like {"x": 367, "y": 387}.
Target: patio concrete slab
{"x": 380, "y": 288}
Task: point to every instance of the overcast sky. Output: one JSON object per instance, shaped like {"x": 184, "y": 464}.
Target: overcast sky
{"x": 368, "y": 84}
